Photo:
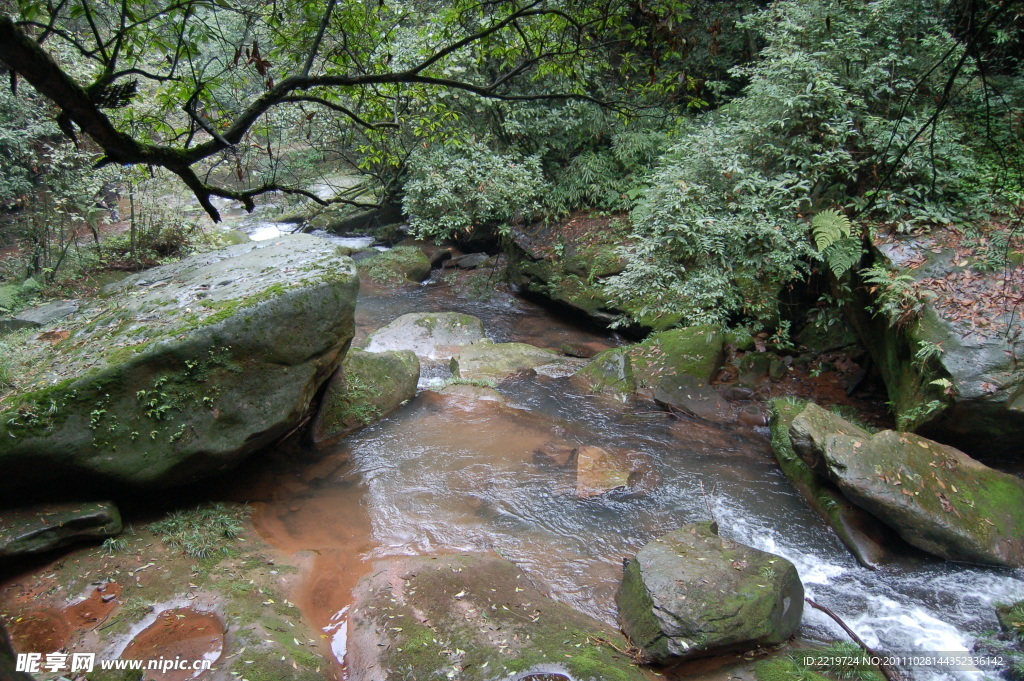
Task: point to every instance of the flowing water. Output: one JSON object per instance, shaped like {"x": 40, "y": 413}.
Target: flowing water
{"x": 445, "y": 473}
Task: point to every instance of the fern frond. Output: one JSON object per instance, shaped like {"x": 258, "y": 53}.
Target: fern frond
{"x": 828, "y": 227}
{"x": 843, "y": 255}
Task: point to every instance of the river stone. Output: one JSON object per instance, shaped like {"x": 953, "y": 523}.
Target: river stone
{"x": 470, "y": 261}
{"x": 870, "y": 541}
{"x": 40, "y": 316}
{"x": 399, "y": 265}
{"x": 179, "y": 372}
{"x": 46, "y": 527}
{"x": 599, "y": 472}
{"x": 435, "y": 254}
{"x": 609, "y": 371}
{"x": 497, "y": 361}
{"x": 367, "y": 387}
{"x": 936, "y": 497}
{"x": 811, "y": 426}
{"x": 471, "y": 617}
{"x": 467, "y": 391}
{"x": 691, "y": 593}
{"x": 697, "y": 351}
{"x": 431, "y": 335}
{"x": 691, "y": 396}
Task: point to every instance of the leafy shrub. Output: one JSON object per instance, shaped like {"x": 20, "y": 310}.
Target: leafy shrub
{"x": 202, "y": 532}
{"x": 453, "y": 190}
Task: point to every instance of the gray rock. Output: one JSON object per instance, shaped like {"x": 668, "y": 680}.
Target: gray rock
{"x": 470, "y": 261}
{"x": 936, "y": 497}
{"x": 181, "y": 371}
{"x": 692, "y": 593}
{"x": 40, "y": 316}
{"x": 37, "y": 529}
{"x": 498, "y": 361}
{"x": 692, "y": 396}
{"x": 433, "y": 335}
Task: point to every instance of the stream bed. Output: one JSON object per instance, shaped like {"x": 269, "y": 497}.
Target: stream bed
{"x": 447, "y": 473}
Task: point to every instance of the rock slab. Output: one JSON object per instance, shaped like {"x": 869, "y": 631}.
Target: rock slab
{"x": 179, "y": 372}
{"x": 486, "y": 361}
{"x": 475, "y": 618}
{"x": 692, "y": 593}
{"x": 43, "y": 528}
{"x": 431, "y": 335}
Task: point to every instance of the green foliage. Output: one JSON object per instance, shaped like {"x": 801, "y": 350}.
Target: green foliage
{"x": 838, "y": 661}
{"x": 828, "y": 227}
{"x": 895, "y": 295}
{"x": 453, "y": 190}
{"x": 203, "y": 532}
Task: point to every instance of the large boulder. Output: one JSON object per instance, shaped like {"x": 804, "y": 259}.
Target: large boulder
{"x": 431, "y": 335}
{"x": 692, "y": 593}
{"x": 806, "y": 426}
{"x": 936, "y": 497}
{"x": 487, "y": 361}
{"x": 367, "y": 387}
{"x": 951, "y": 371}
{"x": 43, "y": 528}
{"x": 179, "y": 372}
{"x": 474, "y": 618}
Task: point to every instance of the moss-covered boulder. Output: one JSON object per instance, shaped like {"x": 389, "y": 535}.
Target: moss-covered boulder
{"x": 474, "y": 618}
{"x": 869, "y": 540}
{"x": 367, "y": 387}
{"x": 487, "y": 361}
{"x": 692, "y": 593}
{"x": 431, "y": 335}
{"x": 400, "y": 265}
{"x": 936, "y": 497}
{"x": 951, "y": 371}
{"x": 610, "y": 371}
{"x": 179, "y": 372}
{"x": 38, "y": 529}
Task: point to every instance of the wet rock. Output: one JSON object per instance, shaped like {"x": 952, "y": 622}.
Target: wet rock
{"x": 582, "y": 350}
{"x": 754, "y": 366}
{"x": 435, "y": 254}
{"x": 471, "y": 617}
{"x": 738, "y": 393}
{"x": 367, "y": 387}
{"x": 181, "y": 371}
{"x": 610, "y": 371}
{"x": 40, "y": 316}
{"x": 599, "y": 472}
{"x": 692, "y": 593}
{"x": 497, "y": 361}
{"x": 400, "y": 265}
{"x": 46, "y": 527}
{"x": 555, "y": 454}
{"x": 691, "y": 396}
{"x": 472, "y": 392}
{"x": 752, "y": 415}
{"x": 805, "y": 426}
{"x": 936, "y": 497}
{"x": 973, "y": 347}
{"x": 432, "y": 335}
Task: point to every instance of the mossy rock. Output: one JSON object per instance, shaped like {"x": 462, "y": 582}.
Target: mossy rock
{"x": 43, "y": 528}
{"x": 610, "y": 371}
{"x": 475, "y": 618}
{"x": 179, "y": 372}
{"x": 692, "y": 593}
{"x": 936, "y": 497}
{"x": 870, "y": 541}
{"x": 403, "y": 264}
{"x": 366, "y": 388}
{"x": 487, "y": 361}
{"x": 697, "y": 351}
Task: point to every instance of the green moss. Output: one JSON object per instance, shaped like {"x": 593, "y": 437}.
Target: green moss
{"x": 696, "y": 350}
{"x": 400, "y": 264}
{"x": 809, "y": 664}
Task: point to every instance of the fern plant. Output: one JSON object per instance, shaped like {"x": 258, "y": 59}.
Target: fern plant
{"x": 833, "y": 236}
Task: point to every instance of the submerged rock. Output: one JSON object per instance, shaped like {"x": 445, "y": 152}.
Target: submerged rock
{"x": 805, "y": 426}
{"x": 181, "y": 371}
{"x": 692, "y": 593}
{"x": 367, "y": 387}
{"x": 497, "y": 361}
{"x": 431, "y": 335}
{"x": 471, "y": 617}
{"x": 43, "y": 528}
{"x": 936, "y": 497}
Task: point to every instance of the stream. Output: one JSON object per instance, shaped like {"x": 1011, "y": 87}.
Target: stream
{"x": 445, "y": 473}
